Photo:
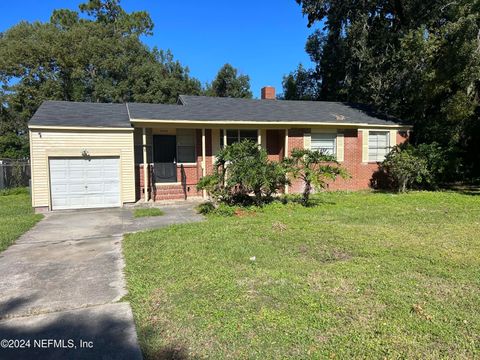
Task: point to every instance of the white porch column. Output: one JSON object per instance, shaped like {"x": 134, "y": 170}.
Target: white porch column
{"x": 145, "y": 165}
{"x": 224, "y": 137}
{"x": 286, "y": 154}
{"x": 204, "y": 169}
{"x": 259, "y": 137}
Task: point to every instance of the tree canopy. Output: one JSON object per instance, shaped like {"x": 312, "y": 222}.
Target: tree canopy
{"x": 415, "y": 59}
{"x": 92, "y": 55}
{"x": 228, "y": 83}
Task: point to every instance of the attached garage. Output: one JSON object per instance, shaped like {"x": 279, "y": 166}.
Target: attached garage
{"x": 79, "y": 183}
{"x": 81, "y": 158}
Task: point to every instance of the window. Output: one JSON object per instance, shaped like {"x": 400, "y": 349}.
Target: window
{"x": 378, "y": 145}
{"x": 186, "y": 146}
{"x": 325, "y": 143}
{"x": 235, "y": 135}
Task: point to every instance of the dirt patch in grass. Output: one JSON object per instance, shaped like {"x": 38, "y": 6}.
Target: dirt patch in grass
{"x": 279, "y": 226}
{"x": 324, "y": 254}
{"x": 241, "y": 213}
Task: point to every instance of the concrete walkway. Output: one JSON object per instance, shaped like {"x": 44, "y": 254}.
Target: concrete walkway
{"x": 60, "y": 284}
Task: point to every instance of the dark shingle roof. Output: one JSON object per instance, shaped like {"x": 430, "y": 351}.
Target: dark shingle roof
{"x": 206, "y": 109}
{"x": 202, "y": 108}
{"x": 65, "y": 113}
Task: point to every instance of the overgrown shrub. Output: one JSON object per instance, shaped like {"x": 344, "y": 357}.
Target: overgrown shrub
{"x": 242, "y": 169}
{"x": 409, "y": 166}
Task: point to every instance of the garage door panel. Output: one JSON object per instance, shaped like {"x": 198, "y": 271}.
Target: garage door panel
{"x": 80, "y": 183}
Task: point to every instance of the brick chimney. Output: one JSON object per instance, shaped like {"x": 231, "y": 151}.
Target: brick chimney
{"x": 268, "y": 93}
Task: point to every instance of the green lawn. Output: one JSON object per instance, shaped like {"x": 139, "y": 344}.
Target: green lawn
{"x": 145, "y": 212}
{"x": 360, "y": 275}
{"x": 16, "y": 215}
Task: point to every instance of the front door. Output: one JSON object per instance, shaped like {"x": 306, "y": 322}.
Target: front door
{"x": 164, "y": 158}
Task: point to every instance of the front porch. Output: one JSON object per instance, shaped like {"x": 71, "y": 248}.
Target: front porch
{"x": 170, "y": 161}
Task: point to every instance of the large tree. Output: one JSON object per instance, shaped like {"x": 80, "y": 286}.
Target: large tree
{"x": 300, "y": 84}
{"x": 228, "y": 83}
{"x": 92, "y": 55}
{"x": 416, "y": 59}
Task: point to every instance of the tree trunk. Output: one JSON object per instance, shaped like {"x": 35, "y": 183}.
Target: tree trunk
{"x": 306, "y": 193}
{"x": 258, "y": 197}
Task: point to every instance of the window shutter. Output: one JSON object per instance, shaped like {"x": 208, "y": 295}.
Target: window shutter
{"x": 215, "y": 142}
{"x": 393, "y": 138}
{"x": 340, "y": 146}
{"x": 364, "y": 145}
{"x": 307, "y": 140}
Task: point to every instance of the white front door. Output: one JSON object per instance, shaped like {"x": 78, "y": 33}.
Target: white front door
{"x": 79, "y": 183}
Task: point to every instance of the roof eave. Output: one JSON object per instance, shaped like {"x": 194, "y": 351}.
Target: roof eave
{"x": 65, "y": 127}
{"x": 266, "y": 123}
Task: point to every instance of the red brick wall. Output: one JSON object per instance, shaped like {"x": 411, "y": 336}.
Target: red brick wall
{"x": 361, "y": 173}
{"x": 296, "y": 141}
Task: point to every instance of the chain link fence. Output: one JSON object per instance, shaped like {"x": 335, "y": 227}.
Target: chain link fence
{"x": 14, "y": 173}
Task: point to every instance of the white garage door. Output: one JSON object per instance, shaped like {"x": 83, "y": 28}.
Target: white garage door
{"x": 78, "y": 183}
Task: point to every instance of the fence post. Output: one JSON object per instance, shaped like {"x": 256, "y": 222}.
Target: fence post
{"x": 2, "y": 177}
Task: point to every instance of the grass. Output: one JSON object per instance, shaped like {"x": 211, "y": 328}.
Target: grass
{"x": 360, "y": 275}
{"x": 16, "y": 215}
{"x": 144, "y": 212}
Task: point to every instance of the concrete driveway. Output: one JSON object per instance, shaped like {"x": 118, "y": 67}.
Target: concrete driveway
{"x": 62, "y": 281}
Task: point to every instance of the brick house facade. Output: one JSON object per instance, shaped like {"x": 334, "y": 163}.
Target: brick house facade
{"x": 360, "y": 172}
{"x": 87, "y": 155}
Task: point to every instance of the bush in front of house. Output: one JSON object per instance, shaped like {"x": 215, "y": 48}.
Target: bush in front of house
{"x": 420, "y": 167}
{"x": 242, "y": 169}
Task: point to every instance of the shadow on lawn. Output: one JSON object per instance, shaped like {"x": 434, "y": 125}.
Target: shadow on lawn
{"x": 464, "y": 189}
{"x": 171, "y": 349}
{"x": 314, "y": 201}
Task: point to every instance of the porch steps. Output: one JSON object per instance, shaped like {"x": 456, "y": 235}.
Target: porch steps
{"x": 170, "y": 192}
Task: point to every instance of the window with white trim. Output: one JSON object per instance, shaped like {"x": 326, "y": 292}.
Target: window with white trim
{"x": 326, "y": 143}
{"x": 378, "y": 145}
{"x": 186, "y": 146}
{"x": 237, "y": 135}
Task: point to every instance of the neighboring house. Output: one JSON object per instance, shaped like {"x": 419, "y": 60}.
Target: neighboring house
{"x": 87, "y": 155}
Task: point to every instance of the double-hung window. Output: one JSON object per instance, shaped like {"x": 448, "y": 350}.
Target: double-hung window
{"x": 186, "y": 145}
{"x": 326, "y": 143}
{"x": 378, "y": 145}
{"x": 237, "y": 135}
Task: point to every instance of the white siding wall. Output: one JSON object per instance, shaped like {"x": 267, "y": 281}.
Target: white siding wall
{"x": 71, "y": 143}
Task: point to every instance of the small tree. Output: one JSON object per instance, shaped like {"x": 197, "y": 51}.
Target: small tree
{"x": 242, "y": 169}
{"x": 314, "y": 168}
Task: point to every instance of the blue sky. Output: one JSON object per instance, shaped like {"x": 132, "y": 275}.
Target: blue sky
{"x": 264, "y": 39}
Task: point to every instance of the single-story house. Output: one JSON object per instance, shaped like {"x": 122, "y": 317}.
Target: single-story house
{"x": 88, "y": 155}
